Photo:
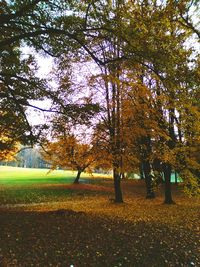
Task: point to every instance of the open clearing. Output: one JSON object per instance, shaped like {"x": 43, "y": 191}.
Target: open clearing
{"x": 55, "y": 223}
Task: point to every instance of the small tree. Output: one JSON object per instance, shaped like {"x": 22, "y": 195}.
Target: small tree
{"x": 68, "y": 152}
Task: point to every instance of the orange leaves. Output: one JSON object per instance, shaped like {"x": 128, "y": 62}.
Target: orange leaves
{"x": 68, "y": 152}
{"x": 8, "y": 148}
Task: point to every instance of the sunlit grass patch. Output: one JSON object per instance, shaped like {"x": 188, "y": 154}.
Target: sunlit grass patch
{"x": 24, "y": 186}
{"x": 12, "y": 176}
{"x": 26, "y": 176}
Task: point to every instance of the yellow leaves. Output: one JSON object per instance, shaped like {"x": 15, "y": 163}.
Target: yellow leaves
{"x": 8, "y": 148}
{"x": 7, "y": 155}
{"x": 191, "y": 184}
{"x": 67, "y": 152}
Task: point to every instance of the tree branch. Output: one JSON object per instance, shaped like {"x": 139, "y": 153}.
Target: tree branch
{"x": 5, "y": 18}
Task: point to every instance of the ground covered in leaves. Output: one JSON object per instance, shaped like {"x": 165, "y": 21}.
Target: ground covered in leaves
{"x": 85, "y": 228}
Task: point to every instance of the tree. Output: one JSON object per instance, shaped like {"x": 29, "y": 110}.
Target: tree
{"x": 18, "y": 82}
{"x": 139, "y": 35}
{"x": 188, "y": 15}
{"x": 69, "y": 153}
{"x": 30, "y": 158}
{"x": 140, "y": 129}
{"x": 32, "y": 23}
{"x": 75, "y": 143}
{"x": 166, "y": 60}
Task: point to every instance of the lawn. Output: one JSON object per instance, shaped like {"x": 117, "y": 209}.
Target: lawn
{"x": 55, "y": 223}
{"x": 24, "y": 185}
{"x": 25, "y": 176}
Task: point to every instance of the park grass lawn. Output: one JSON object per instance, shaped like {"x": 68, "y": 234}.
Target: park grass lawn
{"x": 24, "y": 185}
{"x": 25, "y": 176}
{"x": 79, "y": 225}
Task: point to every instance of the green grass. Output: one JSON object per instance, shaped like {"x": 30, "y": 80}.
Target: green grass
{"x": 33, "y": 195}
{"x": 25, "y": 176}
{"x": 23, "y": 185}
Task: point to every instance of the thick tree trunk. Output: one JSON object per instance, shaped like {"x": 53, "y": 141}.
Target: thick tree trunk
{"x": 76, "y": 181}
{"x": 141, "y": 171}
{"x": 117, "y": 187}
{"x": 167, "y": 167}
{"x": 167, "y": 176}
{"x": 148, "y": 180}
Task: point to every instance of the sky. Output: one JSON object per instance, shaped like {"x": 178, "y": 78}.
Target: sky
{"x": 45, "y": 65}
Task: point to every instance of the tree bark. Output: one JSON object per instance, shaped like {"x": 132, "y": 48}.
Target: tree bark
{"x": 141, "y": 171}
{"x": 76, "y": 181}
{"x": 167, "y": 176}
{"x": 148, "y": 180}
{"x": 122, "y": 175}
{"x": 176, "y": 177}
{"x": 167, "y": 167}
{"x": 117, "y": 187}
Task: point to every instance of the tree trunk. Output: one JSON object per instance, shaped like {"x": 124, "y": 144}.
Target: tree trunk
{"x": 167, "y": 176}
{"x": 176, "y": 178}
{"x": 122, "y": 175}
{"x": 167, "y": 167}
{"x": 76, "y": 181}
{"x": 148, "y": 180}
{"x": 117, "y": 187}
{"x": 141, "y": 171}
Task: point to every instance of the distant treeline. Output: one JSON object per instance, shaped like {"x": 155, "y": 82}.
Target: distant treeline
{"x": 27, "y": 158}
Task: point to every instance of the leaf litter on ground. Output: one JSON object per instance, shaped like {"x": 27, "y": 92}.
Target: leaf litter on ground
{"x": 91, "y": 230}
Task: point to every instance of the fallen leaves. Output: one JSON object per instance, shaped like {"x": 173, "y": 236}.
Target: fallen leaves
{"x": 89, "y": 230}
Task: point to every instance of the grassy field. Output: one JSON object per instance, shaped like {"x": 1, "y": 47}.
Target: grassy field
{"x": 47, "y": 221}
{"x": 24, "y": 185}
{"x": 25, "y": 176}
